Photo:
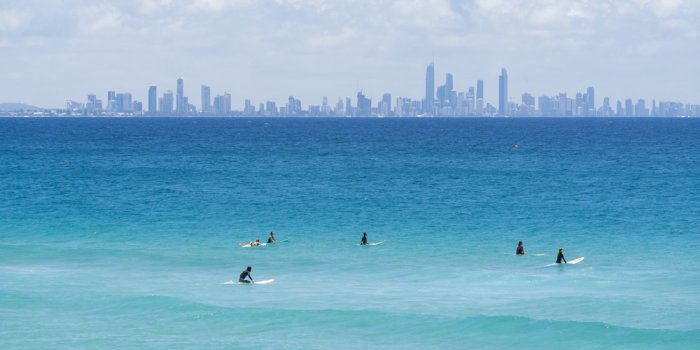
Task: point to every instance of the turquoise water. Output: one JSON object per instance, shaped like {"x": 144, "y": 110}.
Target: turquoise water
{"x": 118, "y": 233}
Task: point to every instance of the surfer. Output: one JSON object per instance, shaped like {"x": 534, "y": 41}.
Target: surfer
{"x": 271, "y": 239}
{"x": 244, "y": 274}
{"x": 256, "y": 243}
{"x": 520, "y": 250}
{"x": 560, "y": 256}
{"x": 363, "y": 241}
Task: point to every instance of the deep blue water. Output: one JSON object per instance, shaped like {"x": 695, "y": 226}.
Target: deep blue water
{"x": 118, "y": 233}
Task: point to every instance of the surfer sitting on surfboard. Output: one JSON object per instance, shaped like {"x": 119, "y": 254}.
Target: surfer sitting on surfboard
{"x": 560, "y": 256}
{"x": 271, "y": 239}
{"x": 244, "y": 274}
{"x": 363, "y": 241}
{"x": 520, "y": 250}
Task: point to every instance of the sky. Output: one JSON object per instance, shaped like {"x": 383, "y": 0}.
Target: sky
{"x": 55, "y": 50}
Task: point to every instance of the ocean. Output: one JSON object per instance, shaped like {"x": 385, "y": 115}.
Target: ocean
{"x": 118, "y": 233}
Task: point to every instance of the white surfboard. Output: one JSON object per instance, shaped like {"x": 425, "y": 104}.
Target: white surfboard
{"x": 575, "y": 261}
{"x": 247, "y": 245}
{"x": 256, "y": 282}
{"x": 371, "y": 244}
{"x": 570, "y": 262}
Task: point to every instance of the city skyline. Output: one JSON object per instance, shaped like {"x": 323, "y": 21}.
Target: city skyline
{"x": 54, "y": 51}
{"x": 444, "y": 100}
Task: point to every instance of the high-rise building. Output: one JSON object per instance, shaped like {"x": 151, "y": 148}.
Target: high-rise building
{"x": 385, "y": 104}
{"x": 429, "y": 88}
{"x": 180, "y": 106}
{"x": 111, "y": 101}
{"x": 364, "y": 105}
{"x": 152, "y": 99}
{"x": 348, "y": 106}
{"x": 503, "y": 92}
{"x": 629, "y": 108}
{"x": 590, "y": 101}
{"x": 166, "y": 103}
{"x": 222, "y": 104}
{"x": 123, "y": 103}
{"x": 479, "y": 97}
{"x": 206, "y": 99}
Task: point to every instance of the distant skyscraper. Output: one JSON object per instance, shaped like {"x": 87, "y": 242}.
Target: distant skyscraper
{"x": 222, "y": 104}
{"x": 180, "y": 106}
{"x": 364, "y": 105}
{"x": 206, "y": 99}
{"x": 166, "y": 103}
{"x": 429, "y": 88}
{"x": 111, "y": 101}
{"x": 590, "y": 97}
{"x": 479, "y": 97}
{"x": 629, "y": 108}
{"x": 503, "y": 92}
{"x": 152, "y": 99}
{"x": 385, "y": 105}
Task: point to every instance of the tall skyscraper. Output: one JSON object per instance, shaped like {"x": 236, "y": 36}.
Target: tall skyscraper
{"x": 166, "y": 103}
{"x": 180, "y": 107}
{"x": 348, "y": 106}
{"x": 503, "y": 93}
{"x": 206, "y": 99}
{"x": 152, "y": 99}
{"x": 111, "y": 101}
{"x": 590, "y": 97}
{"x": 429, "y": 88}
{"x": 364, "y": 105}
{"x": 479, "y": 97}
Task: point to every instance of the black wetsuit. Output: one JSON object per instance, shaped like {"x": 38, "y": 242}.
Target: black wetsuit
{"x": 363, "y": 241}
{"x": 560, "y": 257}
{"x": 520, "y": 250}
{"x": 269, "y": 240}
{"x": 245, "y": 274}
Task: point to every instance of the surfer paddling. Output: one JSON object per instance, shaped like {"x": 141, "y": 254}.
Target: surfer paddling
{"x": 363, "y": 241}
{"x": 246, "y": 274}
{"x": 560, "y": 256}
{"x": 520, "y": 250}
{"x": 255, "y": 243}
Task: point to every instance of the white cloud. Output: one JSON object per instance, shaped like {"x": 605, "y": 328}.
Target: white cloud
{"x": 329, "y": 40}
{"x": 217, "y": 5}
{"x": 11, "y": 20}
{"x": 248, "y": 37}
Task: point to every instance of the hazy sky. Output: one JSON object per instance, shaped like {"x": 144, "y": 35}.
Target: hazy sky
{"x": 53, "y": 50}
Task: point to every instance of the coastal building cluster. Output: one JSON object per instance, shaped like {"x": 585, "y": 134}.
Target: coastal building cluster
{"x": 442, "y": 101}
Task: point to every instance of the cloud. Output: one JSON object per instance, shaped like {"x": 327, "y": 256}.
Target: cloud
{"x": 329, "y": 40}
{"x": 217, "y": 5}
{"x": 12, "y": 20}
{"x": 361, "y": 39}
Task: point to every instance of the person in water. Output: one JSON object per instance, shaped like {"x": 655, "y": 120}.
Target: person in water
{"x": 271, "y": 239}
{"x": 363, "y": 241}
{"x": 244, "y": 274}
{"x": 560, "y": 256}
{"x": 256, "y": 243}
{"x": 520, "y": 250}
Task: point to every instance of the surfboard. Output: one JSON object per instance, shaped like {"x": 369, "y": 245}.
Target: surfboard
{"x": 256, "y": 282}
{"x": 247, "y": 245}
{"x": 371, "y": 244}
{"x": 575, "y": 261}
{"x": 570, "y": 262}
